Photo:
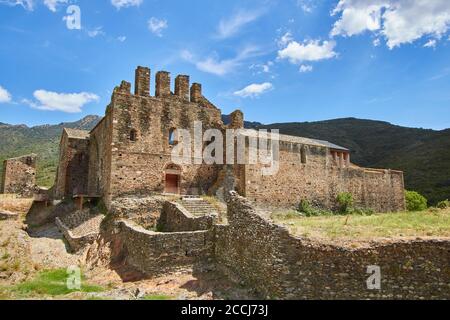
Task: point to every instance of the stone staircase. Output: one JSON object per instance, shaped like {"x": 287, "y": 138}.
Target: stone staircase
{"x": 198, "y": 206}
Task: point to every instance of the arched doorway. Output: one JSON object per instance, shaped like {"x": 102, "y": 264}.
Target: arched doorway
{"x": 172, "y": 178}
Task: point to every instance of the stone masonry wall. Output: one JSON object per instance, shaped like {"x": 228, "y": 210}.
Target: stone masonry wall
{"x": 19, "y": 176}
{"x": 266, "y": 257}
{"x": 140, "y": 136}
{"x": 319, "y": 180}
{"x": 174, "y": 218}
{"x": 158, "y": 253}
{"x": 72, "y": 174}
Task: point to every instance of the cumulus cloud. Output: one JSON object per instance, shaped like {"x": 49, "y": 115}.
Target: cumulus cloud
{"x": 126, "y": 3}
{"x": 312, "y": 50}
{"x": 399, "y": 21}
{"x": 254, "y": 90}
{"x": 26, "y": 4}
{"x": 156, "y": 26}
{"x": 122, "y": 38}
{"x": 305, "y": 68}
{"x": 229, "y": 27}
{"x": 5, "y": 96}
{"x": 65, "y": 102}
{"x": 53, "y": 4}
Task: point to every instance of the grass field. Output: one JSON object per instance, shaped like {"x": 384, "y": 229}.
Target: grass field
{"x": 430, "y": 223}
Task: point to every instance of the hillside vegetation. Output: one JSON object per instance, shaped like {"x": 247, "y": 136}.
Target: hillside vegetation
{"x": 424, "y": 155}
{"x": 43, "y": 140}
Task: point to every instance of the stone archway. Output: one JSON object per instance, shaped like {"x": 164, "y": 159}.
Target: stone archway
{"x": 172, "y": 179}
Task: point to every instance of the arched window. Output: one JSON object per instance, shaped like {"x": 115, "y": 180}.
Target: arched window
{"x": 172, "y": 140}
{"x": 133, "y": 135}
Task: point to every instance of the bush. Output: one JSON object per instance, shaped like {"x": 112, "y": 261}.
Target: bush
{"x": 443, "y": 204}
{"x": 415, "y": 201}
{"x": 345, "y": 202}
{"x": 310, "y": 211}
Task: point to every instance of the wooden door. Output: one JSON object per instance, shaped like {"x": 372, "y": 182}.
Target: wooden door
{"x": 172, "y": 181}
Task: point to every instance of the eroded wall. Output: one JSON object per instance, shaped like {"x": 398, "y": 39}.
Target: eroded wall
{"x": 72, "y": 173}
{"x": 266, "y": 257}
{"x": 19, "y": 176}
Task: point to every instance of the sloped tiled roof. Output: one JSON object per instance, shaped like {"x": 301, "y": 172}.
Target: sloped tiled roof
{"x": 77, "y": 134}
{"x": 300, "y": 140}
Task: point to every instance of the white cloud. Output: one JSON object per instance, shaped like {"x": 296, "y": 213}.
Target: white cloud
{"x": 52, "y": 4}
{"x": 376, "y": 42}
{"x": 285, "y": 39}
{"x": 306, "y": 5}
{"x": 305, "y": 68}
{"x": 231, "y": 26}
{"x": 65, "y": 102}
{"x": 400, "y": 21}
{"x": 96, "y": 32}
{"x": 311, "y": 50}
{"x": 156, "y": 26}
{"x": 430, "y": 44}
{"x": 5, "y": 96}
{"x": 26, "y": 4}
{"x": 254, "y": 90}
{"x": 214, "y": 65}
{"x": 122, "y": 38}
{"x": 125, "y": 3}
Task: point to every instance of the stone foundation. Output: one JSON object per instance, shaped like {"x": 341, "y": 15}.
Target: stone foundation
{"x": 155, "y": 253}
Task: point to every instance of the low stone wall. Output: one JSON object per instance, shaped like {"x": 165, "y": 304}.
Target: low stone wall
{"x": 145, "y": 211}
{"x": 76, "y": 241}
{"x": 266, "y": 257}
{"x": 157, "y": 253}
{"x": 174, "y": 218}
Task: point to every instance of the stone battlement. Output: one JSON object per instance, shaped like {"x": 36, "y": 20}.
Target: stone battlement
{"x": 183, "y": 91}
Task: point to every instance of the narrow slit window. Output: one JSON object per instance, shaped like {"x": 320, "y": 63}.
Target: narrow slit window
{"x": 133, "y": 135}
{"x": 172, "y": 140}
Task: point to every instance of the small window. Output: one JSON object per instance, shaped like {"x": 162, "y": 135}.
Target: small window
{"x": 133, "y": 135}
{"x": 172, "y": 140}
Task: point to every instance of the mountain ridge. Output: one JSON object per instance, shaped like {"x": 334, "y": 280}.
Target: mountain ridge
{"x": 423, "y": 154}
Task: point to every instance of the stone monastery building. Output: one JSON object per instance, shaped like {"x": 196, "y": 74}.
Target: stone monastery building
{"x": 129, "y": 154}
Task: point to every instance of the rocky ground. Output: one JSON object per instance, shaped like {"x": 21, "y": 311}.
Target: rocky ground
{"x": 26, "y": 253}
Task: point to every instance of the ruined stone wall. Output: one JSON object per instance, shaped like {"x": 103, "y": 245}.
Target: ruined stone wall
{"x": 158, "y": 253}
{"x": 140, "y": 135}
{"x": 19, "y": 176}
{"x": 174, "y": 218}
{"x": 266, "y": 257}
{"x": 100, "y": 157}
{"x": 72, "y": 173}
{"x": 308, "y": 172}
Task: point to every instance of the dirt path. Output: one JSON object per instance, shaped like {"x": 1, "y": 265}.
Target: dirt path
{"x": 49, "y": 249}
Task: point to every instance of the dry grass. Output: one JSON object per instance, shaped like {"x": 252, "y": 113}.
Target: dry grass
{"x": 431, "y": 223}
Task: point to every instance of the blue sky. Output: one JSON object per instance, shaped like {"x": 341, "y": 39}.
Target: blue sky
{"x": 278, "y": 61}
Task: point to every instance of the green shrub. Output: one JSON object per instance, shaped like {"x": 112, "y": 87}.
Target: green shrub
{"x": 443, "y": 204}
{"x": 309, "y": 210}
{"x": 415, "y": 201}
{"x": 345, "y": 202}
